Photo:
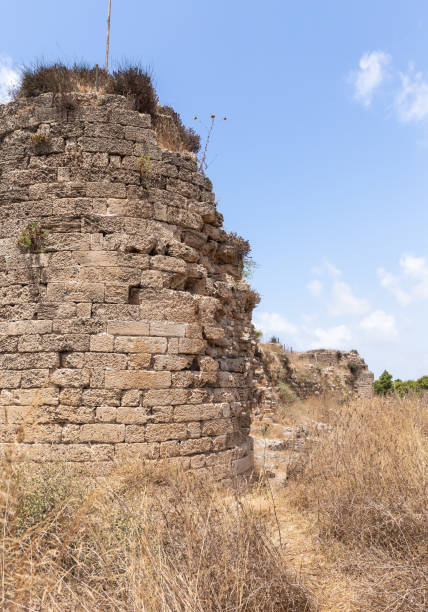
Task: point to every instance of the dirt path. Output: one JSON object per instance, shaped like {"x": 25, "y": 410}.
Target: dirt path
{"x": 334, "y": 592}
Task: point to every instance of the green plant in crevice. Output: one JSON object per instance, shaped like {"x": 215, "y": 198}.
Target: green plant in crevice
{"x": 258, "y": 334}
{"x": 248, "y": 267}
{"x": 39, "y": 140}
{"x": 145, "y": 168}
{"x": 31, "y": 238}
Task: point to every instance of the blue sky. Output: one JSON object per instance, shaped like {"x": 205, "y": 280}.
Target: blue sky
{"x": 322, "y": 163}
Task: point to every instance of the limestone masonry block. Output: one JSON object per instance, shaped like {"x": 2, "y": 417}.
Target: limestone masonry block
{"x": 102, "y": 433}
{"x": 128, "y": 328}
{"x": 124, "y": 379}
{"x": 140, "y": 344}
{"x": 166, "y": 328}
{"x": 102, "y": 343}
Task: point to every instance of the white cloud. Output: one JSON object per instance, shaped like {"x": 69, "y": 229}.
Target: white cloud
{"x": 334, "y": 337}
{"x": 337, "y": 296}
{"x": 272, "y": 323}
{"x": 315, "y": 287}
{"x": 305, "y": 336}
{"x": 326, "y": 268}
{"x": 372, "y": 70}
{"x": 392, "y": 283}
{"x": 380, "y": 325}
{"x": 9, "y": 78}
{"x": 411, "y": 101}
{"x": 411, "y": 284}
{"x": 344, "y": 302}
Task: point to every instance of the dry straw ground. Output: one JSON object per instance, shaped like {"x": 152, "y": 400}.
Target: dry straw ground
{"x": 353, "y": 520}
{"x": 142, "y": 539}
{"x": 361, "y": 495}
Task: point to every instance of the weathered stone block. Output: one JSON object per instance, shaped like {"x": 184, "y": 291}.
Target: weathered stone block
{"x": 102, "y": 433}
{"x": 102, "y": 343}
{"x": 192, "y": 346}
{"x": 105, "y": 190}
{"x": 135, "y": 433}
{"x": 140, "y": 344}
{"x": 10, "y": 379}
{"x": 128, "y": 328}
{"x": 29, "y": 397}
{"x": 167, "y": 328}
{"x": 172, "y": 362}
{"x": 217, "y": 427}
{"x": 169, "y": 449}
{"x": 130, "y": 117}
{"x": 130, "y": 452}
{"x": 125, "y": 379}
{"x": 132, "y": 415}
{"x": 131, "y": 398}
{"x": 198, "y": 412}
{"x": 106, "y": 414}
{"x": 106, "y": 145}
{"x": 70, "y": 378}
{"x": 75, "y": 292}
{"x": 139, "y": 361}
{"x": 170, "y": 431}
{"x": 171, "y": 397}
{"x": 199, "y": 445}
{"x": 18, "y": 328}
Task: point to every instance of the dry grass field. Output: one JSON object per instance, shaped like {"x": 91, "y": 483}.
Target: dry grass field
{"x": 347, "y": 532}
{"x": 356, "y": 504}
{"x": 141, "y": 539}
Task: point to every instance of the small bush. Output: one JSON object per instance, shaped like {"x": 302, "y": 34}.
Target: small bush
{"x": 241, "y": 245}
{"x": 286, "y": 395}
{"x": 145, "y": 167}
{"x": 172, "y": 133}
{"x": 133, "y": 81}
{"x": 31, "y": 238}
{"x": 38, "y": 140}
{"x": 354, "y": 368}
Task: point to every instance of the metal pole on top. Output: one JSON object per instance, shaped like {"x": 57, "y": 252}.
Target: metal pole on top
{"x": 108, "y": 35}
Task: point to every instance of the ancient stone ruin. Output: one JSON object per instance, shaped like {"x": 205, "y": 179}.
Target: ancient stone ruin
{"x": 281, "y": 376}
{"x": 125, "y": 325}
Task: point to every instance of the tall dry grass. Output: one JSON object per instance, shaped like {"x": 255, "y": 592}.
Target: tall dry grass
{"x": 366, "y": 483}
{"x": 145, "y": 538}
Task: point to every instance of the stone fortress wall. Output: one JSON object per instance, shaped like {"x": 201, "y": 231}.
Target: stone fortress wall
{"x": 125, "y": 328}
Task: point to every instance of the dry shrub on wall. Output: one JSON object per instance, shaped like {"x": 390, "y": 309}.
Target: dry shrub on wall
{"x": 367, "y": 483}
{"x": 171, "y": 132}
{"x": 146, "y": 538}
{"x": 131, "y": 81}
{"x": 60, "y": 79}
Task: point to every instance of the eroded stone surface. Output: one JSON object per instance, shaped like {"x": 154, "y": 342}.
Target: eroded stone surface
{"x": 128, "y": 336}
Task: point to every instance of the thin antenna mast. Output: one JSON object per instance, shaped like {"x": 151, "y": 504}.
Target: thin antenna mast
{"x": 108, "y": 35}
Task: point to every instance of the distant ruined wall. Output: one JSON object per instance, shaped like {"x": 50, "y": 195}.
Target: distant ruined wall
{"x": 359, "y": 379}
{"x": 128, "y": 335}
{"x": 307, "y": 374}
